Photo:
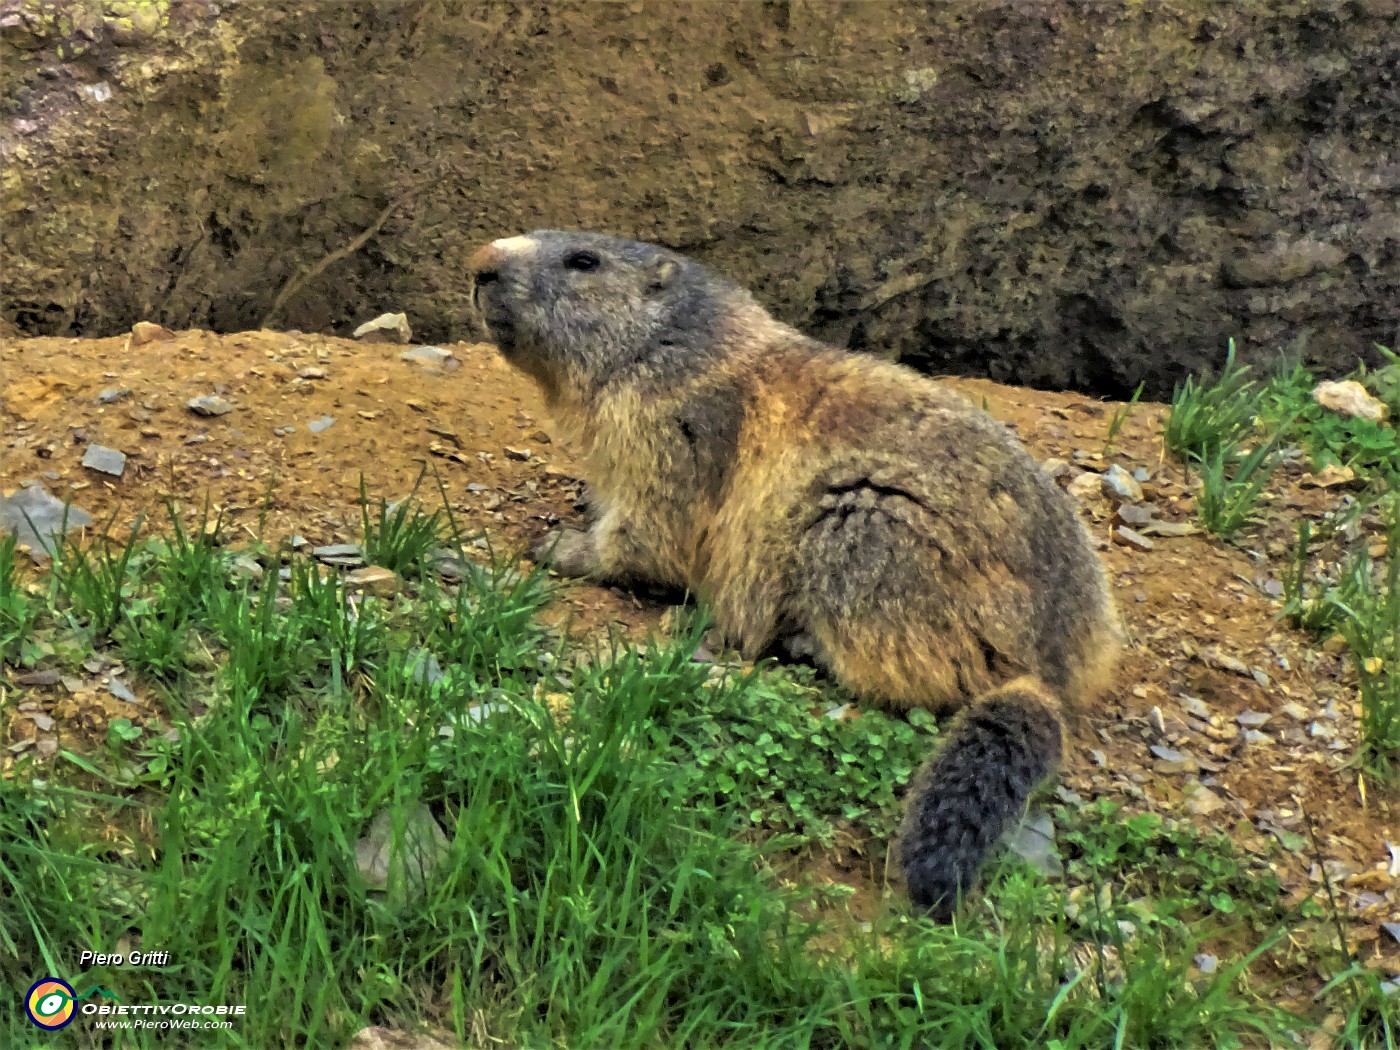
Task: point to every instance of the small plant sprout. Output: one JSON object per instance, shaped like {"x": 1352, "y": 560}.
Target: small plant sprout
{"x": 1119, "y": 419}
{"x": 1216, "y": 416}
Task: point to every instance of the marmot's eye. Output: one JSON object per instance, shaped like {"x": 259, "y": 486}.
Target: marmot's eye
{"x": 581, "y": 261}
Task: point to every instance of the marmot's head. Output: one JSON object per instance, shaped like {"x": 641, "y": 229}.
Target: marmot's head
{"x": 579, "y": 310}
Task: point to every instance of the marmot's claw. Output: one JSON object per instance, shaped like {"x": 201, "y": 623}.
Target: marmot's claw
{"x": 568, "y": 552}
{"x": 542, "y": 549}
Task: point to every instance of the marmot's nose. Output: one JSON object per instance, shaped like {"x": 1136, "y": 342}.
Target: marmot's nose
{"x": 488, "y": 261}
{"x": 484, "y": 265}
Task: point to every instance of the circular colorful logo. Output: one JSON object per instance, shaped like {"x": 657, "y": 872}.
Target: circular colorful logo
{"x": 49, "y": 1003}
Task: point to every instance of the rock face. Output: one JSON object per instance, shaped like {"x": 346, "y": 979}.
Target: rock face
{"x": 1045, "y": 191}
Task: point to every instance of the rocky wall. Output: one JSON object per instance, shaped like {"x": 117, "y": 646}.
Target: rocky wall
{"x": 1058, "y": 193}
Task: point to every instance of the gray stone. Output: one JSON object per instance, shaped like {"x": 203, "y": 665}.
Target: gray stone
{"x": 1126, "y": 537}
{"x": 105, "y": 460}
{"x": 400, "y": 851}
{"x": 481, "y": 712}
{"x": 121, "y": 690}
{"x": 1169, "y": 529}
{"x": 37, "y": 519}
{"x": 1086, "y": 486}
{"x": 1120, "y": 486}
{"x": 1194, "y": 705}
{"x": 429, "y": 356}
{"x": 1134, "y": 515}
{"x": 209, "y": 405}
{"x": 38, "y": 679}
{"x": 1201, "y": 801}
{"x": 344, "y": 554}
{"x": 246, "y": 567}
{"x": 424, "y": 667}
{"x": 1170, "y": 760}
{"x": 320, "y": 423}
{"x": 1033, "y": 840}
{"x": 113, "y": 394}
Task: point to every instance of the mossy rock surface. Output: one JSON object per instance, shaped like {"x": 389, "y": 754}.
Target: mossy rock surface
{"x": 1051, "y": 193}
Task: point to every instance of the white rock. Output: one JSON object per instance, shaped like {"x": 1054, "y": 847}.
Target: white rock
{"x": 1349, "y": 398}
{"x": 1086, "y": 487}
{"x": 394, "y": 1039}
{"x": 386, "y": 328}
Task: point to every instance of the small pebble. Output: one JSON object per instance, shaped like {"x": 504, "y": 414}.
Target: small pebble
{"x": 105, "y": 460}
{"x": 430, "y": 357}
{"x": 1120, "y": 486}
{"x": 209, "y": 405}
{"x": 143, "y": 332}
{"x": 1194, "y": 705}
{"x": 1085, "y": 487}
{"x": 343, "y": 554}
{"x": 113, "y": 394}
{"x": 121, "y": 690}
{"x": 375, "y": 580}
{"x": 1133, "y": 514}
{"x": 1126, "y": 537}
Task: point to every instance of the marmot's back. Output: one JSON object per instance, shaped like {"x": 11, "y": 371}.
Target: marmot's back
{"x": 836, "y": 505}
{"x": 909, "y": 505}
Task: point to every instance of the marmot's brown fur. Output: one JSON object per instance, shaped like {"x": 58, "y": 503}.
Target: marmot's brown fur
{"x": 819, "y": 499}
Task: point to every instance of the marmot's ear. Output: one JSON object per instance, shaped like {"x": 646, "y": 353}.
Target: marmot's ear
{"x": 663, "y": 272}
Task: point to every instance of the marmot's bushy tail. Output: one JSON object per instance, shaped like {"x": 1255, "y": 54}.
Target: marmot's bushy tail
{"x": 996, "y": 752}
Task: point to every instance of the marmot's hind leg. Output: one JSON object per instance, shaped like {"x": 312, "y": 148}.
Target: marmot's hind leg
{"x": 975, "y": 787}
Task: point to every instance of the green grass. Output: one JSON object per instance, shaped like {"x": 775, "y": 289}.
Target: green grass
{"x": 1355, "y": 597}
{"x": 803, "y": 767}
{"x": 606, "y": 879}
{"x": 1364, "y": 607}
{"x": 1119, "y": 419}
{"x": 1214, "y": 427}
{"x": 1232, "y": 484}
{"x": 398, "y": 536}
{"x": 17, "y": 612}
{"x": 1219, "y": 414}
{"x": 1370, "y": 449}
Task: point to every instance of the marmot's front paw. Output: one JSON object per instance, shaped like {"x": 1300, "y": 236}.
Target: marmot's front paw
{"x": 568, "y": 552}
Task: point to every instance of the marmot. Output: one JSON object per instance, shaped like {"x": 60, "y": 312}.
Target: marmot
{"x": 820, "y": 499}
